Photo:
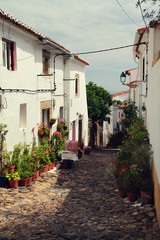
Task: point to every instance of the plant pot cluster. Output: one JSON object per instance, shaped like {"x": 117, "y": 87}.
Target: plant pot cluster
{"x": 26, "y": 163}
{"x": 14, "y": 183}
{"x": 87, "y": 150}
{"x": 132, "y": 168}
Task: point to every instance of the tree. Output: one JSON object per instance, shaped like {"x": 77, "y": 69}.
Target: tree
{"x": 151, "y": 10}
{"x": 99, "y": 100}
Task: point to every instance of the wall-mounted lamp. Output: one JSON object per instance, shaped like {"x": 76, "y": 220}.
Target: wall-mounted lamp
{"x": 123, "y": 78}
{"x": 79, "y": 114}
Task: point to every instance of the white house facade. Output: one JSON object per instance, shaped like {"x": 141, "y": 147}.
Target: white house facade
{"x": 39, "y": 79}
{"x": 148, "y": 56}
{"x": 114, "y": 124}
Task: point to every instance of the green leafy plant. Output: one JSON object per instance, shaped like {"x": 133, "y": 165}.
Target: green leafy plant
{"x": 3, "y": 133}
{"x": 57, "y": 142}
{"x": 13, "y": 176}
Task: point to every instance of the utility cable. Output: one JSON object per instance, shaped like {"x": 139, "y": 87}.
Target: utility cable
{"x": 110, "y": 49}
{"x": 28, "y": 91}
{"x": 126, "y": 13}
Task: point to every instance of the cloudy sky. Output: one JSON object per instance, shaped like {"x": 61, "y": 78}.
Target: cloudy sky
{"x": 86, "y": 25}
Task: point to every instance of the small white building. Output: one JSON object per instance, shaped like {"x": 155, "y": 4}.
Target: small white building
{"x": 39, "y": 79}
{"x": 114, "y": 123}
{"x": 148, "y": 57}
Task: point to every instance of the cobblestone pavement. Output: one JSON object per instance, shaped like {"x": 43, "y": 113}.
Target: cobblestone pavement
{"x": 80, "y": 203}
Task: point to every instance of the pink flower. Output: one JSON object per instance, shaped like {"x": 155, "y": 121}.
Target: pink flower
{"x": 32, "y": 129}
{"x": 34, "y": 138}
{"x": 122, "y": 118}
{"x": 62, "y": 120}
{"x": 37, "y": 124}
{"x": 46, "y": 151}
{"x": 57, "y": 133}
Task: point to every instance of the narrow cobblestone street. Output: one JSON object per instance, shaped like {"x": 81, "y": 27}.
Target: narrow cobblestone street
{"x": 80, "y": 203}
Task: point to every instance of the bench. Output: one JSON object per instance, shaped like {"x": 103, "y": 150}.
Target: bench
{"x": 69, "y": 154}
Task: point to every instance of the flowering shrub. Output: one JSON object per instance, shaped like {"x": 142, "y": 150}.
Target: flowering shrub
{"x": 132, "y": 168}
{"x": 57, "y": 142}
{"x": 87, "y": 149}
{"x": 81, "y": 145}
{"x": 62, "y": 128}
{"x": 43, "y": 127}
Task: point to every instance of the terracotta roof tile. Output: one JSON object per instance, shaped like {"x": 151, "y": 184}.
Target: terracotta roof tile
{"x": 120, "y": 93}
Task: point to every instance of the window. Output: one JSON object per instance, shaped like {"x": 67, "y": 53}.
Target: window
{"x": 77, "y": 84}
{"x": 8, "y": 54}
{"x": 46, "y": 116}
{"x": 61, "y": 112}
{"x": 23, "y": 115}
{"x": 46, "y": 61}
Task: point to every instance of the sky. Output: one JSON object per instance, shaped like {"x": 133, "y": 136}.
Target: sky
{"x": 86, "y": 25}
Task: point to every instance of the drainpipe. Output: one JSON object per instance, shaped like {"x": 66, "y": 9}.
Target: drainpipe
{"x": 146, "y": 70}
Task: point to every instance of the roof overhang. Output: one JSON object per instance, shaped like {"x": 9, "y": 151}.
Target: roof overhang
{"x": 141, "y": 39}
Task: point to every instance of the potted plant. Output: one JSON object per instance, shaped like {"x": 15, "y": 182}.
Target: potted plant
{"x": 3, "y": 179}
{"x": 23, "y": 178}
{"x": 13, "y": 179}
{"x": 146, "y": 186}
{"x": 43, "y": 129}
{"x": 87, "y": 150}
{"x": 52, "y": 121}
{"x": 81, "y": 145}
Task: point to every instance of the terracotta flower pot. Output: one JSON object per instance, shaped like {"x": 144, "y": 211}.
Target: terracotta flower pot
{"x": 11, "y": 168}
{"x": 45, "y": 169}
{"x": 146, "y": 193}
{"x": 87, "y": 152}
{"x": 23, "y": 182}
{"x": 33, "y": 177}
{"x": 122, "y": 193}
{"x": 49, "y": 167}
{"x": 40, "y": 131}
{"x": 52, "y": 122}
{"x": 54, "y": 164}
{"x": 132, "y": 196}
{"x": 13, "y": 183}
{"x": 40, "y": 171}
{"x": 36, "y": 174}
{"x": 29, "y": 181}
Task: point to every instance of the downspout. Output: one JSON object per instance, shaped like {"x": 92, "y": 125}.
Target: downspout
{"x": 146, "y": 70}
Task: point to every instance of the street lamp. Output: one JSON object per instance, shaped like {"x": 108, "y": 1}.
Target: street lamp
{"x": 123, "y": 78}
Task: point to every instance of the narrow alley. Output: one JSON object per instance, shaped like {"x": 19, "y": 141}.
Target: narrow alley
{"x": 80, "y": 203}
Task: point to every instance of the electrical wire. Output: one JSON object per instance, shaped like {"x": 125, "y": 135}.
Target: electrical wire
{"x": 109, "y": 49}
{"x": 28, "y": 91}
{"x": 127, "y": 14}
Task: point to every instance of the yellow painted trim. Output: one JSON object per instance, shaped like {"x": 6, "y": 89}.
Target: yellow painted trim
{"x": 157, "y": 57}
{"x": 156, "y": 193}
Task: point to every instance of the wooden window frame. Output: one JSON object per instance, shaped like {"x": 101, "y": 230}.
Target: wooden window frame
{"x": 8, "y": 54}
{"x": 46, "y": 61}
{"x": 77, "y": 85}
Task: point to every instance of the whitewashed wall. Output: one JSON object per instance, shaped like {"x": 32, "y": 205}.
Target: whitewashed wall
{"x": 28, "y": 66}
{"x": 153, "y": 100}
